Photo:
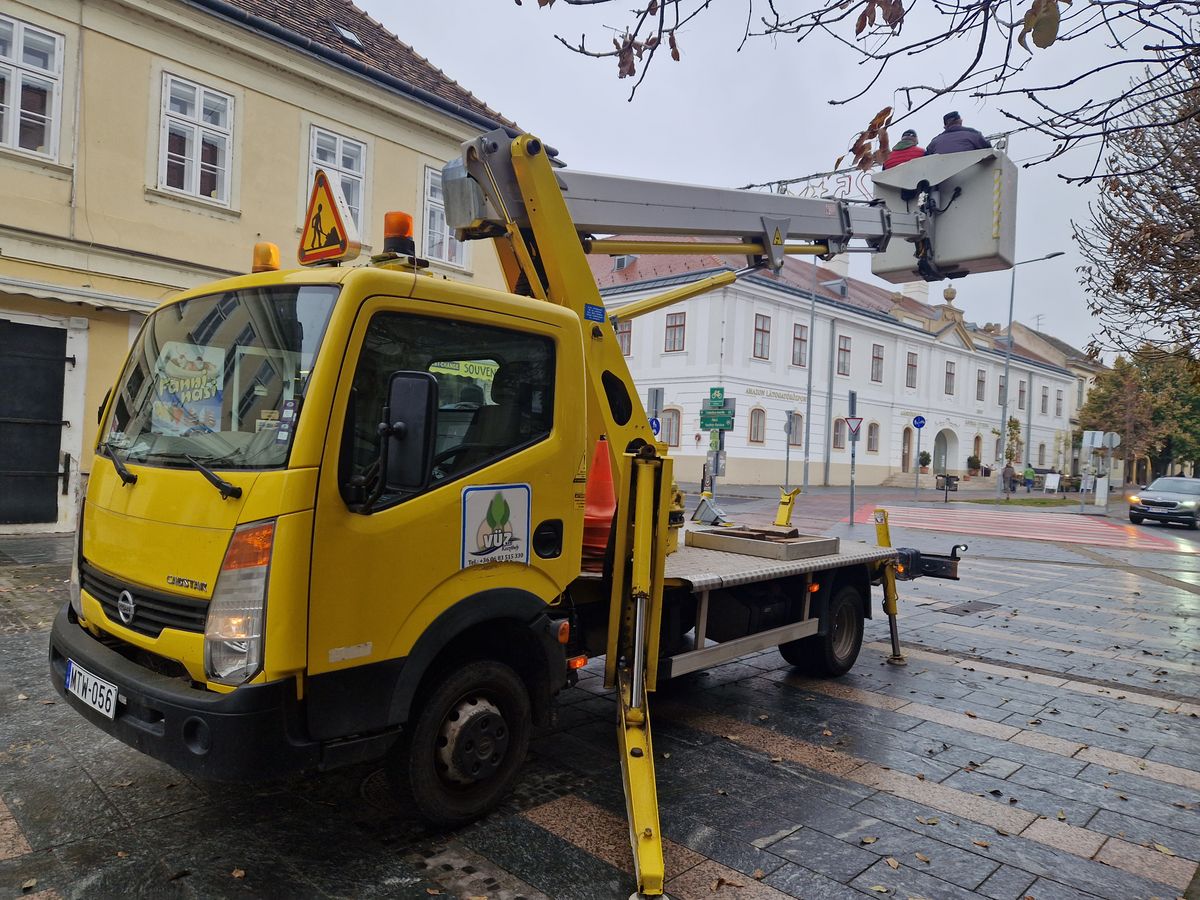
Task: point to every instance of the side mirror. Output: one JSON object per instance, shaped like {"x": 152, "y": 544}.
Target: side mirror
{"x": 409, "y": 430}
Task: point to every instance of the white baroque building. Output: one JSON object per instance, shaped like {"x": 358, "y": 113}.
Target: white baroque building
{"x": 904, "y": 358}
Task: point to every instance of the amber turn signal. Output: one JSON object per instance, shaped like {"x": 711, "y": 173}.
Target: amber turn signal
{"x": 266, "y": 257}
{"x": 564, "y": 631}
{"x": 577, "y": 662}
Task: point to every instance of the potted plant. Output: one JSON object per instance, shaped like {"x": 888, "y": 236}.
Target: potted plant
{"x": 924, "y": 459}
{"x": 973, "y": 465}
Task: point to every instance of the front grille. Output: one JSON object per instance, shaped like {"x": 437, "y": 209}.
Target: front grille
{"x": 153, "y": 610}
{"x": 1161, "y": 504}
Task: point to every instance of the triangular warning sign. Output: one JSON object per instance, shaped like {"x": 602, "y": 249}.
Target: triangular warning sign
{"x": 778, "y": 239}
{"x": 854, "y": 423}
{"x": 329, "y": 234}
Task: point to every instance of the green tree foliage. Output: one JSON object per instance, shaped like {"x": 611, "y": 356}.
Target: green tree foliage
{"x": 1152, "y": 399}
{"x": 1012, "y": 449}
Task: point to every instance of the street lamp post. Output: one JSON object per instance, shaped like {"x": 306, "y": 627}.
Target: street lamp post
{"x": 1012, "y": 290}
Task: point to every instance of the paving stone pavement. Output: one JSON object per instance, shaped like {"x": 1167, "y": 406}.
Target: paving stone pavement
{"x": 1045, "y": 746}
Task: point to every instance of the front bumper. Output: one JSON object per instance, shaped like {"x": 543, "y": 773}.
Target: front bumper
{"x": 1159, "y": 514}
{"x": 253, "y": 733}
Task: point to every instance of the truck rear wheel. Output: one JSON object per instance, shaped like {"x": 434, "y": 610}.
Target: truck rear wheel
{"x": 460, "y": 755}
{"x": 834, "y": 652}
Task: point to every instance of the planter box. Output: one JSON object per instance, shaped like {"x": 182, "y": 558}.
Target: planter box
{"x": 779, "y": 544}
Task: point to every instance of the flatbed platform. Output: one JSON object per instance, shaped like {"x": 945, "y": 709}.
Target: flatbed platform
{"x": 704, "y": 570}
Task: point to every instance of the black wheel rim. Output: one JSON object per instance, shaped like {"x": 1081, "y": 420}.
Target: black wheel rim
{"x": 473, "y": 742}
{"x": 843, "y": 632}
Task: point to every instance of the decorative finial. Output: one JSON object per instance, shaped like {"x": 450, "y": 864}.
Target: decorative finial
{"x": 950, "y": 293}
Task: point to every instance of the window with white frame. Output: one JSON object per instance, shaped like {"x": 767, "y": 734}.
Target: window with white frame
{"x": 440, "y": 242}
{"x": 196, "y": 149}
{"x": 799, "y": 345}
{"x": 843, "y": 355}
{"x": 910, "y": 375}
{"x": 998, "y": 449}
{"x": 980, "y": 384}
{"x": 669, "y": 422}
{"x": 30, "y": 85}
{"x": 758, "y": 426}
{"x": 873, "y": 437}
{"x": 839, "y": 434}
{"x": 625, "y": 336}
{"x": 1021, "y": 394}
{"x": 1001, "y": 386}
{"x": 342, "y": 158}
{"x": 1045, "y": 399}
{"x": 949, "y": 378}
{"x": 877, "y": 363}
{"x": 1041, "y": 454}
{"x": 762, "y": 337}
{"x": 1058, "y": 403}
{"x": 796, "y": 432}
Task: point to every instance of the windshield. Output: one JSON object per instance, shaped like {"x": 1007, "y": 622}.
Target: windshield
{"x": 220, "y": 378}
{"x": 1177, "y": 485}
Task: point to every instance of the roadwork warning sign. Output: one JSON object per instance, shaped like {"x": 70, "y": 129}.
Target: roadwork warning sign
{"x": 330, "y": 234}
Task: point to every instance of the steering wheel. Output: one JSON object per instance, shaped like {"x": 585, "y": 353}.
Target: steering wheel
{"x": 439, "y": 473}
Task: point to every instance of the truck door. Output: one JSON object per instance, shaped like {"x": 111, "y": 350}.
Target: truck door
{"x": 499, "y": 510}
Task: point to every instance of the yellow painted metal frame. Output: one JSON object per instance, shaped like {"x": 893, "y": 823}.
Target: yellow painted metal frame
{"x": 641, "y": 478}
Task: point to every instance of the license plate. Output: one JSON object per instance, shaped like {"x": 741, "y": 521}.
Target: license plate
{"x": 95, "y": 692}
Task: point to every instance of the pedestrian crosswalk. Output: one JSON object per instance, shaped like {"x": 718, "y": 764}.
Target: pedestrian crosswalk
{"x": 1067, "y": 527}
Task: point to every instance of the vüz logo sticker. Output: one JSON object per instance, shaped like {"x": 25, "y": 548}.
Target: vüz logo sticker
{"x": 495, "y": 524}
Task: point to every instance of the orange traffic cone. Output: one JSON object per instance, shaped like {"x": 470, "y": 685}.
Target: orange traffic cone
{"x": 600, "y": 504}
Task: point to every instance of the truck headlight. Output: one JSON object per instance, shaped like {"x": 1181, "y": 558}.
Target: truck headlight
{"x": 233, "y": 632}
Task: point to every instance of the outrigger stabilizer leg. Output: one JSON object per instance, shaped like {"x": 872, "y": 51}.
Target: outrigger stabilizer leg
{"x": 883, "y": 536}
{"x": 634, "y": 662}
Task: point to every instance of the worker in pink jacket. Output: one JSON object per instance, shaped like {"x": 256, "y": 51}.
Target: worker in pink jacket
{"x": 905, "y": 150}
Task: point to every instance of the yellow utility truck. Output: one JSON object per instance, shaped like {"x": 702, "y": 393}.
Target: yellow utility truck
{"x": 338, "y": 513}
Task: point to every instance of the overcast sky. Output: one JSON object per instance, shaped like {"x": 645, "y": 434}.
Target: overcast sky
{"x": 725, "y": 118}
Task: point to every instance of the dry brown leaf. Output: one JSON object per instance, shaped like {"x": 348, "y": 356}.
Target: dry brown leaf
{"x": 970, "y": 715}
{"x": 1165, "y": 850}
{"x": 922, "y": 857}
{"x": 880, "y": 889}
{"x": 721, "y": 882}
{"x": 868, "y": 840}
{"x": 763, "y": 717}
{"x": 29, "y": 885}
{"x": 22, "y": 697}
{"x": 981, "y": 844}
{"x": 723, "y": 792}
{"x": 827, "y": 733}
{"x": 1062, "y": 816}
{"x": 432, "y": 891}
{"x": 122, "y": 784}
{"x": 920, "y": 776}
{"x": 776, "y": 759}
{"x": 894, "y": 863}
{"x": 674, "y": 47}
{"x": 759, "y": 874}
{"x": 238, "y": 873}
{"x": 121, "y": 854}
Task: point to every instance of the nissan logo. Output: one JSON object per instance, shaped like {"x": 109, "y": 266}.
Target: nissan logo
{"x": 125, "y": 606}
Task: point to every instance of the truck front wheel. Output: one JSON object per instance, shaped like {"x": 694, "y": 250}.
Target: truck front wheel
{"x": 460, "y": 755}
{"x": 834, "y": 652}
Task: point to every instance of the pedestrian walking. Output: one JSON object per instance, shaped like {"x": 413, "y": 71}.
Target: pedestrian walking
{"x": 1030, "y": 475}
{"x": 1010, "y": 476}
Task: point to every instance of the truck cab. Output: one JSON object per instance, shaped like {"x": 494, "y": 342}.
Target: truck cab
{"x": 261, "y": 589}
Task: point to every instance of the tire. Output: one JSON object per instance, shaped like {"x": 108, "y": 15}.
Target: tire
{"x": 833, "y": 653}
{"x": 441, "y": 763}
{"x": 1193, "y": 525}
{"x": 1136, "y": 520}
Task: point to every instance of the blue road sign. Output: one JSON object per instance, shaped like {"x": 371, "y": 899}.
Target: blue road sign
{"x": 919, "y": 421}
{"x": 655, "y": 426}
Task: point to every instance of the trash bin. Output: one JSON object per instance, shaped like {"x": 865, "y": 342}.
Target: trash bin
{"x": 947, "y": 483}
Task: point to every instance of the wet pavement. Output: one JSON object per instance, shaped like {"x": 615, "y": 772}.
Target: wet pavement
{"x": 1042, "y": 742}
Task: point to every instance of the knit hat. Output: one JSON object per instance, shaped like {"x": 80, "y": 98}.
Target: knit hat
{"x": 950, "y": 117}
{"x": 909, "y": 133}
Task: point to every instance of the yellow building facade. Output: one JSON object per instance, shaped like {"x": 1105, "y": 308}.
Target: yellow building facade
{"x": 145, "y": 146}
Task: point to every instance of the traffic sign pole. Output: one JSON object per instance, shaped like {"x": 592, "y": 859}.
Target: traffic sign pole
{"x": 853, "y": 417}
{"x": 919, "y": 424}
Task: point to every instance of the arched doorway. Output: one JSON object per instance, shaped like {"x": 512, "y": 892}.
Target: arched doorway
{"x": 979, "y": 446}
{"x": 906, "y": 451}
{"x": 945, "y": 451}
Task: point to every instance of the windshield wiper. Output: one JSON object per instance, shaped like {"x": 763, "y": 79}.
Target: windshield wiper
{"x": 127, "y": 477}
{"x": 227, "y": 490}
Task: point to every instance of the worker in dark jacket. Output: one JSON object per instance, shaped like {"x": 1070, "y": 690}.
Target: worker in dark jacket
{"x": 956, "y": 137}
{"x": 905, "y": 150}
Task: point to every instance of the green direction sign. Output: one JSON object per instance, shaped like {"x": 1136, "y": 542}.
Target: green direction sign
{"x": 717, "y": 394}
{"x": 716, "y": 420}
